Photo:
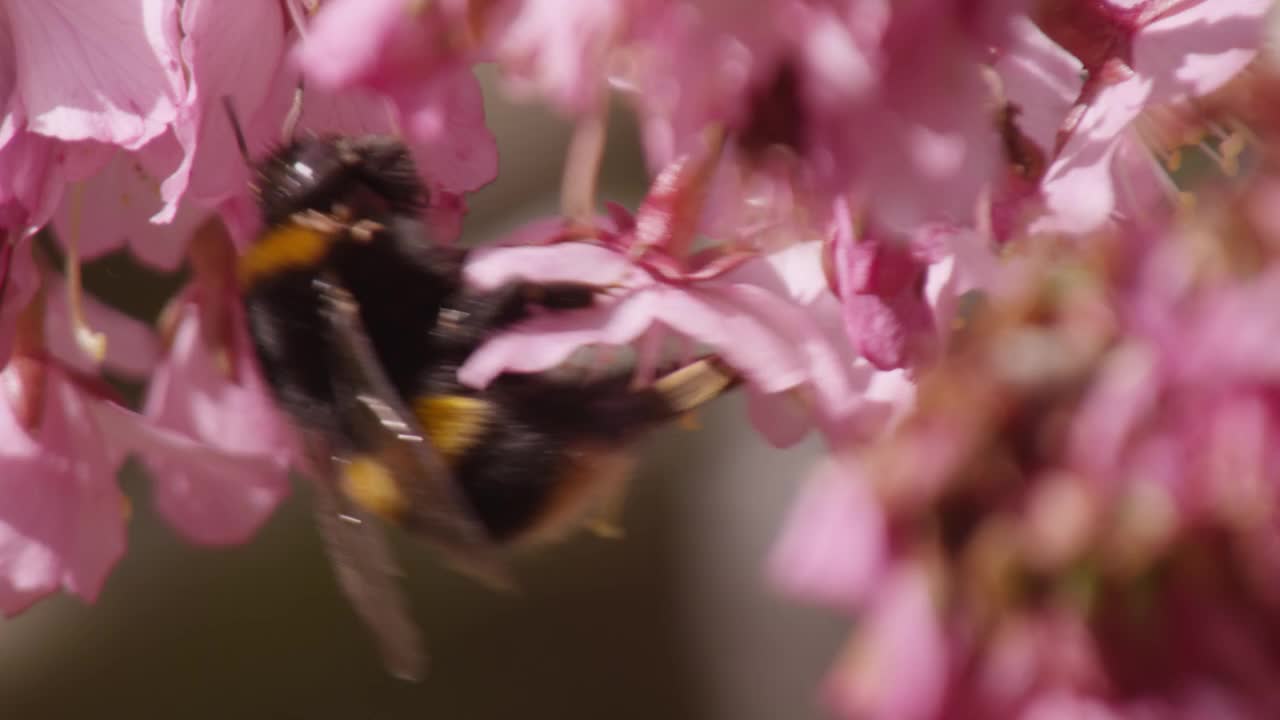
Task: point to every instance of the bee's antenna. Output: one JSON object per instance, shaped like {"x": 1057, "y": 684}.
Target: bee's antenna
{"x": 230, "y": 107}
{"x": 294, "y": 115}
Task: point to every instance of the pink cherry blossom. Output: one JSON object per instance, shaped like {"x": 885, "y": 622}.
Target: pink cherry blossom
{"x": 1137, "y": 55}
{"x": 1106, "y": 419}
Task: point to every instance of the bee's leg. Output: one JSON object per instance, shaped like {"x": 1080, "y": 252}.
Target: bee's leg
{"x": 560, "y": 295}
{"x": 473, "y": 316}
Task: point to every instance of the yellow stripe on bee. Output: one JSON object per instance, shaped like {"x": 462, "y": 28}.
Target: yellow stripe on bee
{"x": 369, "y": 483}
{"x": 286, "y": 247}
{"x": 452, "y": 422}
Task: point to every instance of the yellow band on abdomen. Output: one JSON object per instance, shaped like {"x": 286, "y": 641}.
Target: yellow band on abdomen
{"x": 453, "y": 423}
{"x": 285, "y": 247}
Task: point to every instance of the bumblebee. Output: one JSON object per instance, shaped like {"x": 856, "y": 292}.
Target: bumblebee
{"x": 360, "y": 323}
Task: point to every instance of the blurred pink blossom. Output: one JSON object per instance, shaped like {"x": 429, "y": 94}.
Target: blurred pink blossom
{"x": 1096, "y": 452}
{"x": 410, "y": 53}
{"x": 832, "y": 97}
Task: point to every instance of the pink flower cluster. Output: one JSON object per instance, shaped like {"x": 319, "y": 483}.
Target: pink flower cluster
{"x": 957, "y": 238}
{"x": 1078, "y": 518}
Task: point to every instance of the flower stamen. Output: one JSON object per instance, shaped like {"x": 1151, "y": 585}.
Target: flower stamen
{"x": 91, "y": 343}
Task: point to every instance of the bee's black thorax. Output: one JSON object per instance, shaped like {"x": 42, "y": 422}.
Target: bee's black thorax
{"x": 370, "y": 176}
{"x": 400, "y": 283}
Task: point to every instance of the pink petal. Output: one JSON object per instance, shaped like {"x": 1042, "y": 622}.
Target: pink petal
{"x": 35, "y": 169}
{"x": 1231, "y": 335}
{"x": 191, "y": 394}
{"x": 403, "y": 50}
{"x": 717, "y": 318}
{"x": 1198, "y": 47}
{"x": 898, "y": 667}
{"x": 217, "y": 449}
{"x": 780, "y": 418}
{"x": 444, "y": 126}
{"x": 1042, "y": 79}
{"x": 1078, "y": 186}
{"x": 349, "y": 112}
{"x": 1065, "y": 705}
{"x": 61, "y": 514}
{"x": 351, "y": 42}
{"x": 234, "y": 50}
{"x": 490, "y": 267}
{"x": 1144, "y": 192}
{"x": 832, "y": 546}
{"x": 795, "y": 273}
{"x": 1125, "y": 390}
{"x": 934, "y": 147}
{"x": 561, "y": 49}
{"x": 105, "y": 71}
{"x": 17, "y": 265}
{"x": 772, "y": 318}
{"x": 11, "y": 115}
{"x": 113, "y": 209}
{"x": 210, "y": 496}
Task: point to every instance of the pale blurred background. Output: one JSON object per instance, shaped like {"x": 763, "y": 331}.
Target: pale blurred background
{"x": 673, "y": 621}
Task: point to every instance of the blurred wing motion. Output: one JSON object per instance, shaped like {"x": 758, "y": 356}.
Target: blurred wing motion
{"x": 410, "y": 482}
{"x": 397, "y": 471}
{"x": 367, "y": 571}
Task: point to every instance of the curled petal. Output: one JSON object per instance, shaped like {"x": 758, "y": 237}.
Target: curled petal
{"x": 233, "y": 50}
{"x": 129, "y": 50}
{"x": 114, "y": 207}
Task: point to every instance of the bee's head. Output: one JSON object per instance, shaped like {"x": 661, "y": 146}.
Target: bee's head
{"x": 369, "y": 175}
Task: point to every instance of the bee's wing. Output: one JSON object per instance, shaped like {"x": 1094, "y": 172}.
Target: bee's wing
{"x": 386, "y": 429}
{"x": 366, "y": 569}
